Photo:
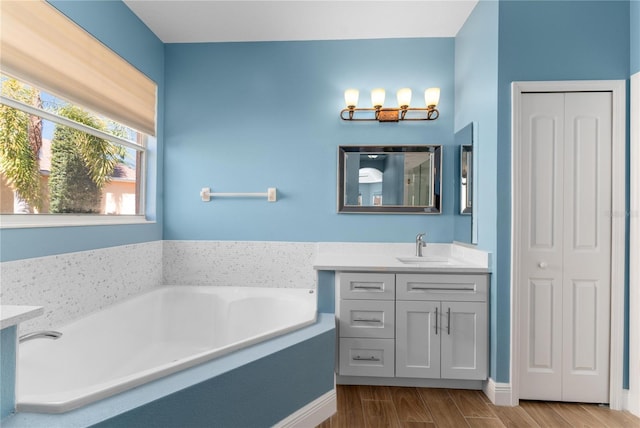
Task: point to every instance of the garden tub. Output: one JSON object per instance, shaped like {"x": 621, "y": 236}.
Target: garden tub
{"x": 150, "y": 336}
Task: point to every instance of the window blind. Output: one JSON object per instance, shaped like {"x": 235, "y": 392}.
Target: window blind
{"x": 40, "y": 45}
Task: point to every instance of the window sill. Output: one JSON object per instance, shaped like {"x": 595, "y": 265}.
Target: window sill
{"x": 24, "y": 221}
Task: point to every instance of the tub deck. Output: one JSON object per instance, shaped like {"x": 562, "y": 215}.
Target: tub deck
{"x": 256, "y": 386}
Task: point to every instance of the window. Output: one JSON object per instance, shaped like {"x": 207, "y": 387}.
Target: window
{"x": 68, "y": 112}
{"x": 59, "y": 158}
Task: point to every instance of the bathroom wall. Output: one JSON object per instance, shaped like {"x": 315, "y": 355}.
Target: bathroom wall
{"x": 634, "y": 34}
{"x": 137, "y": 44}
{"x": 241, "y": 117}
{"x": 476, "y": 82}
{"x": 73, "y": 285}
{"x": 561, "y": 40}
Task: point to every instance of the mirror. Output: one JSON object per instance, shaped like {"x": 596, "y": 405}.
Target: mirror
{"x": 389, "y": 179}
{"x": 466, "y": 225}
{"x": 466, "y": 179}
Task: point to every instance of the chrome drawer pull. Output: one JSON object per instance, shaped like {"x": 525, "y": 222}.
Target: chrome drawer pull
{"x": 367, "y": 287}
{"x": 359, "y": 358}
{"x": 366, "y": 320}
{"x": 443, "y": 288}
{"x": 436, "y": 320}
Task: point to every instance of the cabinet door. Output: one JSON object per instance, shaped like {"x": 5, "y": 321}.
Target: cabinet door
{"x": 418, "y": 339}
{"x": 464, "y": 340}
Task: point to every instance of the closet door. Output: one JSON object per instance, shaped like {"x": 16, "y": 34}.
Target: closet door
{"x": 587, "y": 247}
{"x": 541, "y": 168}
{"x": 565, "y": 188}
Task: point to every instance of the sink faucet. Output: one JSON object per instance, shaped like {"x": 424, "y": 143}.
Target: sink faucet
{"x": 420, "y": 243}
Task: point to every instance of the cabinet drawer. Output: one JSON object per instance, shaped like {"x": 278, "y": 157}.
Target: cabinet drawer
{"x": 457, "y": 288}
{"x": 373, "y": 286}
{"x": 367, "y": 357}
{"x": 367, "y": 318}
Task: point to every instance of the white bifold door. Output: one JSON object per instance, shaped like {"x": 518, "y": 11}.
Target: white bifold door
{"x": 564, "y": 250}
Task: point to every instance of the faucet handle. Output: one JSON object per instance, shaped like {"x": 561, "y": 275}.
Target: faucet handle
{"x": 419, "y": 236}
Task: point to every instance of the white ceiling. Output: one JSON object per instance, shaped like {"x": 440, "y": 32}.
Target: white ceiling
{"x": 182, "y": 21}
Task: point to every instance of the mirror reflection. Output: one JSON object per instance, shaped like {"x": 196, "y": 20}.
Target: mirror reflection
{"x": 466, "y": 224}
{"x": 466, "y": 179}
{"x": 389, "y": 179}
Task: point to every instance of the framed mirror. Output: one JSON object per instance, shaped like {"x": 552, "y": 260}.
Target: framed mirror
{"x": 466, "y": 224}
{"x": 466, "y": 179}
{"x": 390, "y": 179}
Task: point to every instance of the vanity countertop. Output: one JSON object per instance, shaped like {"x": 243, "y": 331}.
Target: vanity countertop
{"x": 383, "y": 257}
{"x": 15, "y": 314}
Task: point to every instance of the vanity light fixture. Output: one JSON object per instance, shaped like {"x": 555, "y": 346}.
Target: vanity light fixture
{"x": 390, "y": 114}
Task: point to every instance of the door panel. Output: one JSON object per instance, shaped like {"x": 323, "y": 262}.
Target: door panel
{"x": 587, "y": 247}
{"x": 541, "y": 136}
{"x": 541, "y": 322}
{"x": 417, "y": 339}
{"x": 565, "y": 188}
{"x": 544, "y": 138}
{"x": 463, "y": 340}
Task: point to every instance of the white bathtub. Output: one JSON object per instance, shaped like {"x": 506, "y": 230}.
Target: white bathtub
{"x": 150, "y": 336}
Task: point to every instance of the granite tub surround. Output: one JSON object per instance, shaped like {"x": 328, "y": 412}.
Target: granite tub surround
{"x": 72, "y": 285}
{"x": 368, "y": 257}
{"x": 240, "y": 263}
{"x": 11, "y": 315}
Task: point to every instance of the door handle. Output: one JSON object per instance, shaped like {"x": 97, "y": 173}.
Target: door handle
{"x": 436, "y": 320}
{"x": 542, "y": 265}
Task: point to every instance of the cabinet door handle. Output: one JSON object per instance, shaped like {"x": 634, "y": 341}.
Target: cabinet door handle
{"x": 367, "y": 287}
{"x": 443, "y": 288}
{"x": 366, "y": 320}
{"x": 436, "y": 320}
{"x": 359, "y": 358}
{"x": 448, "y": 320}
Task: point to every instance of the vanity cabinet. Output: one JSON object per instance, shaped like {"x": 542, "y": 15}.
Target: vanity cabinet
{"x": 420, "y": 326}
{"x": 366, "y": 324}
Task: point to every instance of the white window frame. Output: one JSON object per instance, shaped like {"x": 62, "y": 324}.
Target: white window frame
{"x": 18, "y": 221}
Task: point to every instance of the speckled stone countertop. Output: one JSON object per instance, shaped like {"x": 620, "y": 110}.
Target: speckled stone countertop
{"x": 385, "y": 257}
{"x": 15, "y": 314}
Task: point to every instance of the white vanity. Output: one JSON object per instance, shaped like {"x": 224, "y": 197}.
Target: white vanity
{"x": 407, "y": 320}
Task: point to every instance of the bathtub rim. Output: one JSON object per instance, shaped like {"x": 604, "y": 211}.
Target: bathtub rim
{"x": 140, "y": 379}
{"x": 125, "y": 401}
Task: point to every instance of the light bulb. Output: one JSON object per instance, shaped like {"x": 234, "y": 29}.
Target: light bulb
{"x": 377, "y": 97}
{"x": 432, "y": 97}
{"x": 351, "y": 97}
{"x": 404, "y": 97}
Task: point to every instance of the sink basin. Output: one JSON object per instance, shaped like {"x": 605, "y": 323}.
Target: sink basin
{"x": 425, "y": 259}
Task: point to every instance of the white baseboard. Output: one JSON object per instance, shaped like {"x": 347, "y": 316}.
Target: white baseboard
{"x": 313, "y": 414}
{"x": 500, "y": 394}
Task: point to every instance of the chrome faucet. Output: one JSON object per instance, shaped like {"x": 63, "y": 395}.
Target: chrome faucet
{"x": 420, "y": 243}
{"x": 38, "y": 334}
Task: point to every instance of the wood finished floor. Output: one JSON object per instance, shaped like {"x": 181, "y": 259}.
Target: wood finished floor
{"x": 384, "y": 406}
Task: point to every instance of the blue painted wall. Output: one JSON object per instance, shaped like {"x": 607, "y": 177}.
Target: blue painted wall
{"x": 476, "y": 82}
{"x": 137, "y": 44}
{"x": 634, "y": 16}
{"x": 546, "y": 41}
{"x": 241, "y": 117}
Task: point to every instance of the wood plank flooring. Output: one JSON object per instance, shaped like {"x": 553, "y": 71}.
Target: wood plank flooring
{"x": 396, "y": 407}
